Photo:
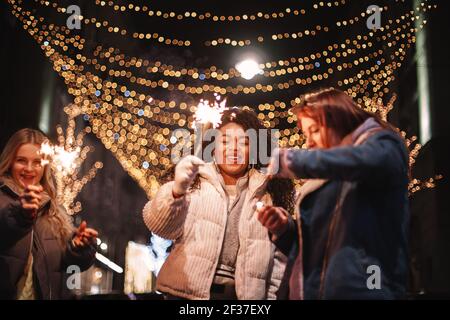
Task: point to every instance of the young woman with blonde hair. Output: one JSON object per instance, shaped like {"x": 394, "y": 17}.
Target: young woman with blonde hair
{"x": 37, "y": 239}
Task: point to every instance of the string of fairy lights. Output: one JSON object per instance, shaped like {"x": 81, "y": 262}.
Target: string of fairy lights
{"x": 154, "y": 84}
{"x": 195, "y": 75}
{"x": 143, "y": 99}
{"x": 282, "y": 106}
{"x": 148, "y": 83}
{"x": 212, "y": 17}
{"x": 98, "y": 23}
{"x": 132, "y": 92}
{"x": 113, "y": 55}
{"x": 287, "y": 35}
{"x": 139, "y": 128}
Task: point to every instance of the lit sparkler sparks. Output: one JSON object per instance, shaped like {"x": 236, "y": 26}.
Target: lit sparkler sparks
{"x": 59, "y": 158}
{"x": 47, "y": 152}
{"x": 207, "y": 114}
{"x": 65, "y": 160}
{"x": 259, "y": 205}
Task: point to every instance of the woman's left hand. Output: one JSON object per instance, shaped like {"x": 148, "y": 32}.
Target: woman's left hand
{"x": 84, "y": 236}
{"x": 275, "y": 219}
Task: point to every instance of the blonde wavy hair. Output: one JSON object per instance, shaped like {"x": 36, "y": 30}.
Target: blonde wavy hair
{"x": 60, "y": 222}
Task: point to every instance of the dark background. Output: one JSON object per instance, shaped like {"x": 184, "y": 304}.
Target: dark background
{"x": 113, "y": 202}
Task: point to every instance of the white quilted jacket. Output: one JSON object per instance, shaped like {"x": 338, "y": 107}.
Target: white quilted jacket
{"x": 197, "y": 224}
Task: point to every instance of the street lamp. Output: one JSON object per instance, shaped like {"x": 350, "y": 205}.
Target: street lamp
{"x": 248, "y": 68}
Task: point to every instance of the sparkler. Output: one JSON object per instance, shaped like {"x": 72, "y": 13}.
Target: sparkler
{"x": 207, "y": 114}
{"x": 46, "y": 152}
{"x": 259, "y": 205}
{"x": 60, "y": 159}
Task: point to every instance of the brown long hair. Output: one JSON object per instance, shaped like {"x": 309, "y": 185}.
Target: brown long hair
{"x": 60, "y": 222}
{"x": 334, "y": 109}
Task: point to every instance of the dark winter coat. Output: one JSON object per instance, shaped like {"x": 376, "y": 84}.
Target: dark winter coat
{"x": 352, "y": 220}
{"x": 20, "y": 234}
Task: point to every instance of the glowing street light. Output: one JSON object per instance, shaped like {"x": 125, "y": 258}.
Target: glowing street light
{"x": 248, "y": 69}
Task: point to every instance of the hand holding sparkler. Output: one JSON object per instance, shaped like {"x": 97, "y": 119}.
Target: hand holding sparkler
{"x": 185, "y": 173}
{"x": 31, "y": 199}
{"x": 275, "y": 219}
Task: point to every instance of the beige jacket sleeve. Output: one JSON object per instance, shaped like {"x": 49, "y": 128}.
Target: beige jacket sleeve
{"x": 164, "y": 215}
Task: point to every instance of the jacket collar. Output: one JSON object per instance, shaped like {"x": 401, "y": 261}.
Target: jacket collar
{"x": 7, "y": 183}
{"x": 362, "y": 133}
{"x": 256, "y": 180}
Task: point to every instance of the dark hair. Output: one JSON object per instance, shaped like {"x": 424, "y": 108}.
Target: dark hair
{"x": 248, "y": 120}
{"x": 334, "y": 109}
{"x": 282, "y": 191}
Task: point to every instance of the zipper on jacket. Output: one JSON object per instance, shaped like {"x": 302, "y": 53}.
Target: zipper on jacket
{"x": 41, "y": 247}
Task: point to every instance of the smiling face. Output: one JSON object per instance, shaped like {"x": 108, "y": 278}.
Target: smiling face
{"x": 232, "y": 150}
{"x": 26, "y": 168}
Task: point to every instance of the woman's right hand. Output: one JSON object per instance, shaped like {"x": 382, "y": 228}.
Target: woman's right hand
{"x": 31, "y": 199}
{"x": 185, "y": 173}
{"x": 275, "y": 219}
{"x": 84, "y": 236}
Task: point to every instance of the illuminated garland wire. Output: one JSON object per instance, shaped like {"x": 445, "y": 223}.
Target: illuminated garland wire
{"x": 177, "y": 42}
